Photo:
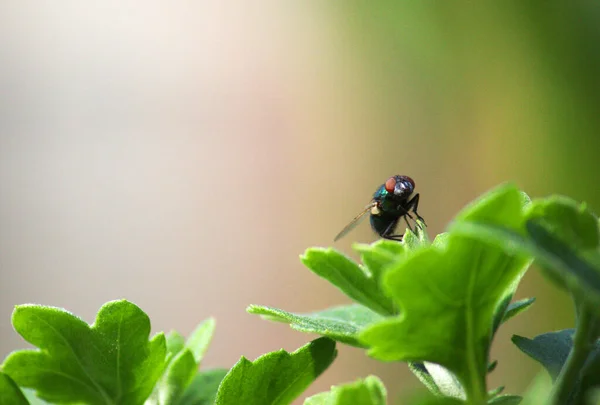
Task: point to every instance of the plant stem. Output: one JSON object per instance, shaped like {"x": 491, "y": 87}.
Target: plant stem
{"x": 566, "y": 383}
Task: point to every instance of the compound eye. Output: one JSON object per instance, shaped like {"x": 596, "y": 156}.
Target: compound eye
{"x": 390, "y": 184}
{"x": 411, "y": 181}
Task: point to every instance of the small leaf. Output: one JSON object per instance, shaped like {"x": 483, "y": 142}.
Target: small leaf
{"x": 413, "y": 240}
{"x": 446, "y": 382}
{"x": 175, "y": 342}
{"x": 369, "y": 391}
{"x": 183, "y": 366}
{"x": 495, "y": 392}
{"x": 377, "y": 256}
{"x": 420, "y": 371}
{"x": 203, "y": 388}
{"x": 110, "y": 362}
{"x": 515, "y": 308}
{"x": 200, "y": 338}
{"x": 176, "y": 378}
{"x": 10, "y": 394}
{"x": 505, "y": 400}
{"x": 323, "y": 398}
{"x": 349, "y": 278}
{"x": 342, "y": 323}
{"x": 441, "y": 240}
{"x": 448, "y": 297}
{"x": 276, "y": 378}
{"x": 550, "y": 349}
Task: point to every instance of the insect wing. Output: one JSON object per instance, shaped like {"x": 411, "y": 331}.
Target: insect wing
{"x": 357, "y": 219}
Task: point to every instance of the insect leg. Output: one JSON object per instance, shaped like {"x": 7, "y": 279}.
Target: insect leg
{"x": 387, "y": 234}
{"x": 414, "y": 204}
{"x": 390, "y": 228}
{"x": 408, "y": 223}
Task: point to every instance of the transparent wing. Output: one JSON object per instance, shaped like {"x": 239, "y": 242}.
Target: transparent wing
{"x": 357, "y": 219}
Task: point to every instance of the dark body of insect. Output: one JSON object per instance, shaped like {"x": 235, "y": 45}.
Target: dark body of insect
{"x": 393, "y": 201}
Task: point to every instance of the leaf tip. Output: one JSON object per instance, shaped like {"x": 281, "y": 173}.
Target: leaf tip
{"x": 516, "y": 339}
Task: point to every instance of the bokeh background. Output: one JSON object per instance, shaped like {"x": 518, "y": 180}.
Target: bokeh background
{"x": 183, "y": 155}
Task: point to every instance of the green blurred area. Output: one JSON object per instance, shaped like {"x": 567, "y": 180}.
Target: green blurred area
{"x": 511, "y": 88}
{"x": 469, "y": 95}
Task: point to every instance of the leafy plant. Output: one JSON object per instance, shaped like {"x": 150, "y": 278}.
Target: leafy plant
{"x": 435, "y": 305}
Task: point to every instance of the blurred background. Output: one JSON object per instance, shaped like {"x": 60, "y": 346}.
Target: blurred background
{"x": 183, "y": 155}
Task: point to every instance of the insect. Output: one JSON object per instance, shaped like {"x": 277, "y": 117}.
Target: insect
{"x": 392, "y": 201}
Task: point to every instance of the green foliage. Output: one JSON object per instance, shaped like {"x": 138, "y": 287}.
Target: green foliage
{"x": 276, "y": 378}
{"x": 368, "y": 391}
{"x": 515, "y": 308}
{"x": 10, "y": 392}
{"x": 341, "y": 323}
{"x": 435, "y": 305}
{"x": 465, "y": 284}
{"x": 184, "y": 360}
{"x": 110, "y": 362}
{"x": 113, "y": 361}
{"x": 438, "y": 305}
{"x": 349, "y": 277}
{"x": 203, "y": 388}
{"x": 550, "y": 349}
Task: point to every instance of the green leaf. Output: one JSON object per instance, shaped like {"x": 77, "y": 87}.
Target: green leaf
{"x": 417, "y": 239}
{"x": 110, "y": 362}
{"x": 562, "y": 235}
{"x": 506, "y": 310}
{"x": 445, "y": 381}
{"x": 570, "y": 268}
{"x": 183, "y": 366}
{"x": 549, "y": 349}
{"x": 552, "y": 349}
{"x": 368, "y": 391}
{"x": 176, "y": 378}
{"x": 505, "y": 400}
{"x": 200, "y": 338}
{"x": 203, "y": 388}
{"x": 421, "y": 372}
{"x": 515, "y": 308}
{"x": 573, "y": 223}
{"x": 448, "y": 297}
{"x": 349, "y": 278}
{"x": 32, "y": 398}
{"x": 538, "y": 392}
{"x": 378, "y": 255}
{"x": 10, "y": 392}
{"x": 276, "y": 378}
{"x": 495, "y": 392}
{"x": 503, "y": 205}
{"x": 342, "y": 323}
{"x": 175, "y": 343}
